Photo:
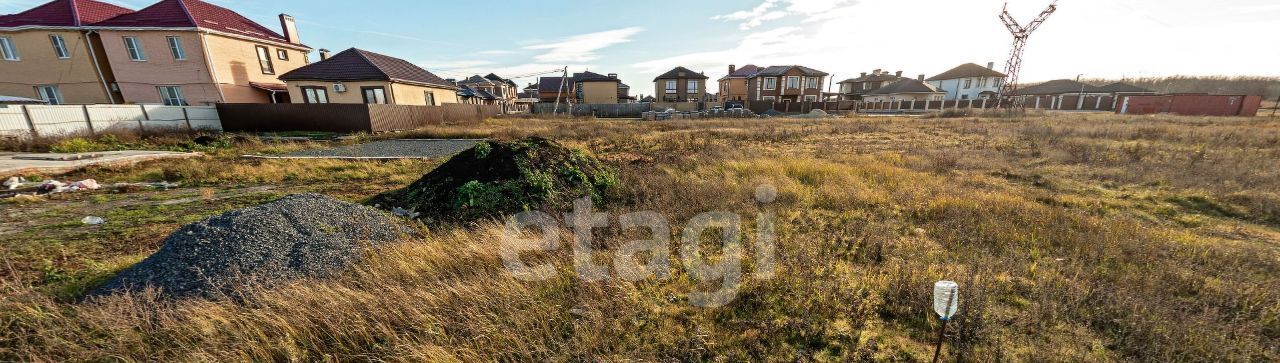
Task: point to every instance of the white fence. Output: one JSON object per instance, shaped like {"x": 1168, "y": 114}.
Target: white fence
{"x": 55, "y": 121}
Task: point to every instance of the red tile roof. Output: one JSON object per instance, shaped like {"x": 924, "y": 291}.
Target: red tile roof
{"x": 192, "y": 14}
{"x": 69, "y": 13}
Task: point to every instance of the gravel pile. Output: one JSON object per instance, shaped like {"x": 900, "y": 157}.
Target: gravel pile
{"x": 298, "y": 236}
{"x": 392, "y": 149}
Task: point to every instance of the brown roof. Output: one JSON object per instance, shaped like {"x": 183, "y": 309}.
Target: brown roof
{"x": 1057, "y": 87}
{"x": 680, "y": 72}
{"x": 882, "y": 77}
{"x": 780, "y": 70}
{"x": 967, "y": 70}
{"x": 906, "y": 86}
{"x": 361, "y": 65}
{"x": 1121, "y": 87}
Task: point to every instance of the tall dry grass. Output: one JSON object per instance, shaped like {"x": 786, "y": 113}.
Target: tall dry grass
{"x": 1064, "y": 252}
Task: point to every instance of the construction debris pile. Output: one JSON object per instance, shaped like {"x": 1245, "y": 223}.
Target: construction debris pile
{"x": 498, "y": 179}
{"x": 299, "y": 236}
{"x": 670, "y": 114}
{"x": 21, "y": 187}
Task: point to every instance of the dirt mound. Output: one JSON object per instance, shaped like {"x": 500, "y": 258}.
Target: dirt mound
{"x": 298, "y": 236}
{"x": 496, "y": 179}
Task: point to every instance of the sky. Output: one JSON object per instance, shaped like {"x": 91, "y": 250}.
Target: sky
{"x": 640, "y": 39}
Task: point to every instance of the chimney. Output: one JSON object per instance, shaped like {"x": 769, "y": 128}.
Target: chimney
{"x": 732, "y": 68}
{"x": 864, "y": 74}
{"x": 899, "y": 73}
{"x": 613, "y": 75}
{"x": 991, "y": 65}
{"x": 920, "y": 78}
{"x": 877, "y": 71}
{"x": 324, "y": 54}
{"x": 290, "y": 29}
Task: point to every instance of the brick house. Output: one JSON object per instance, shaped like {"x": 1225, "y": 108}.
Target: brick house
{"x": 733, "y": 86}
{"x": 680, "y": 85}
{"x": 175, "y": 52}
{"x": 786, "y": 84}
{"x": 969, "y": 82}
{"x": 585, "y": 87}
{"x": 856, "y": 88}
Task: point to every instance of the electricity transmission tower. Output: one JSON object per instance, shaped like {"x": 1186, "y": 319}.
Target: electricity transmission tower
{"x": 1020, "y": 35}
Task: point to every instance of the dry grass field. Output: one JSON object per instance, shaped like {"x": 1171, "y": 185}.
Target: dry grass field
{"x": 1075, "y": 238}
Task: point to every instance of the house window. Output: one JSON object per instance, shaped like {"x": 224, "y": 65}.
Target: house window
{"x": 968, "y": 83}
{"x": 693, "y": 86}
{"x": 770, "y": 83}
{"x": 431, "y": 98}
{"x": 671, "y": 86}
{"x": 59, "y": 46}
{"x": 982, "y": 82}
{"x": 7, "y": 50}
{"x": 49, "y": 94}
{"x": 136, "y": 53}
{"x": 282, "y": 54}
{"x": 810, "y": 98}
{"x": 374, "y": 95}
{"x": 175, "y": 47}
{"x": 315, "y": 94}
{"x": 811, "y": 83}
{"x": 793, "y": 82}
{"x": 172, "y": 96}
{"x": 769, "y": 98}
{"x": 264, "y": 60}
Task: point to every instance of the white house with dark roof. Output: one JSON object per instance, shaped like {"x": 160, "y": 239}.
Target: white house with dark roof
{"x": 969, "y": 82}
{"x": 906, "y": 90}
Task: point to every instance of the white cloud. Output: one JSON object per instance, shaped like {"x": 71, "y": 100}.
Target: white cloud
{"x": 457, "y": 64}
{"x": 582, "y": 48}
{"x": 766, "y": 11}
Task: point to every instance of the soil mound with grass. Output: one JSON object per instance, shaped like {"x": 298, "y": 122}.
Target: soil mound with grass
{"x": 496, "y": 179}
{"x": 298, "y": 236}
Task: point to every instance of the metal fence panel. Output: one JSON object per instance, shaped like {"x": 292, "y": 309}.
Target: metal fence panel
{"x": 58, "y": 120}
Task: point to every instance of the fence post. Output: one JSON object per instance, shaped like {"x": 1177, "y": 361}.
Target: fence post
{"x": 141, "y": 127}
{"x": 187, "y": 117}
{"x": 87, "y": 120}
{"x": 984, "y": 103}
{"x": 26, "y": 114}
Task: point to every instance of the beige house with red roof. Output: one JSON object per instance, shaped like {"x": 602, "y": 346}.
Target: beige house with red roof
{"x": 174, "y": 52}
{"x": 360, "y": 76}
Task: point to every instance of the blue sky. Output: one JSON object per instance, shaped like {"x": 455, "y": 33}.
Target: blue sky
{"x": 639, "y": 39}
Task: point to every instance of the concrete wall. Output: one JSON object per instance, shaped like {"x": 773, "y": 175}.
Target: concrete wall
{"x": 905, "y": 97}
{"x": 408, "y": 94}
{"x": 76, "y": 77}
{"x": 55, "y": 121}
{"x": 397, "y": 93}
{"x": 599, "y": 92}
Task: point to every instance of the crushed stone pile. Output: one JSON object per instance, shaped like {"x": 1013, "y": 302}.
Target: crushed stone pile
{"x": 497, "y": 179}
{"x": 298, "y": 236}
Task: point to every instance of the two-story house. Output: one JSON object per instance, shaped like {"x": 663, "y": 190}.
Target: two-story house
{"x": 680, "y": 85}
{"x": 969, "y": 82}
{"x": 906, "y": 90}
{"x": 733, "y": 86}
{"x": 786, "y": 84}
{"x": 585, "y": 87}
{"x": 174, "y": 52}
{"x": 46, "y": 53}
{"x": 855, "y": 88}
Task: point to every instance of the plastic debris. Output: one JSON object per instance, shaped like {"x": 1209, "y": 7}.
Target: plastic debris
{"x": 92, "y": 220}
{"x": 87, "y": 184}
{"x": 14, "y": 182}
{"x": 404, "y": 213}
{"x": 946, "y": 298}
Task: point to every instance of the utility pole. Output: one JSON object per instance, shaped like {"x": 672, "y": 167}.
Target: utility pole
{"x": 1020, "y": 35}
{"x": 1275, "y": 107}
{"x": 564, "y": 75}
